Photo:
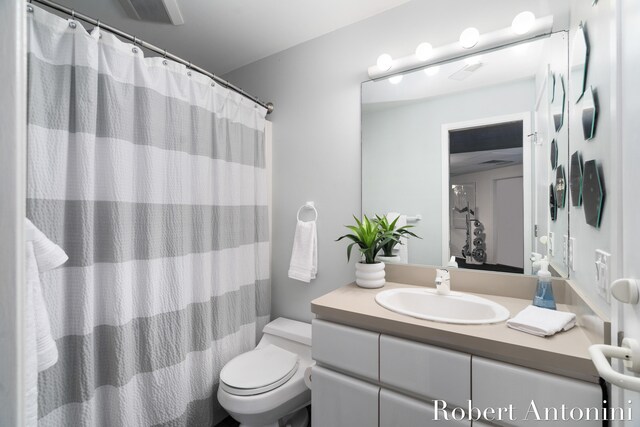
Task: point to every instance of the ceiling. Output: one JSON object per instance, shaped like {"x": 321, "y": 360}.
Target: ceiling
{"x": 223, "y": 35}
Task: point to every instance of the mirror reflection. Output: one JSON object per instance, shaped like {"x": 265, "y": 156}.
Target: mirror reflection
{"x": 557, "y": 105}
{"x": 465, "y": 146}
{"x": 579, "y": 58}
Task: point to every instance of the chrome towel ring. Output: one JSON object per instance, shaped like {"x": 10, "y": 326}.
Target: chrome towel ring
{"x": 308, "y": 205}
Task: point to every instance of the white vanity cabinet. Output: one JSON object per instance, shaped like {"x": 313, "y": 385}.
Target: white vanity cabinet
{"x": 339, "y": 400}
{"x": 365, "y": 378}
{"x": 534, "y": 394}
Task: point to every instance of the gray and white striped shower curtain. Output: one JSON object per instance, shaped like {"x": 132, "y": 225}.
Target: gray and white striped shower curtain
{"x": 153, "y": 180}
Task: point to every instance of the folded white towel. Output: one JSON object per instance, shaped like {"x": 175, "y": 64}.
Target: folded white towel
{"x": 402, "y": 250}
{"x": 542, "y": 321}
{"x": 304, "y": 255}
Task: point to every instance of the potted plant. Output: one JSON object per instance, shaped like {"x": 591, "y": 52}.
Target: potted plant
{"x": 389, "y": 251}
{"x": 370, "y": 239}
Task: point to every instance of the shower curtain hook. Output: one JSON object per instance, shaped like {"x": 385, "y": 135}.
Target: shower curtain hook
{"x": 73, "y": 14}
{"x": 98, "y": 24}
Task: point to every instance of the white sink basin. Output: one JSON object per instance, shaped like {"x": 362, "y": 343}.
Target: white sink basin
{"x": 455, "y": 307}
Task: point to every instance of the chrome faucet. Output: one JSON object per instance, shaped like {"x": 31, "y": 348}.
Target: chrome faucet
{"x": 443, "y": 281}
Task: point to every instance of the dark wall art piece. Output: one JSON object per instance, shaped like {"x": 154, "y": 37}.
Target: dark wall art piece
{"x": 554, "y": 154}
{"x": 553, "y": 207}
{"x": 575, "y": 179}
{"x": 561, "y": 187}
{"x": 557, "y": 105}
{"x": 592, "y": 193}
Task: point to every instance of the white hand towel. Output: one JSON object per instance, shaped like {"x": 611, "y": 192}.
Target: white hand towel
{"x": 42, "y": 255}
{"x": 542, "y": 321}
{"x": 304, "y": 255}
{"x": 402, "y": 250}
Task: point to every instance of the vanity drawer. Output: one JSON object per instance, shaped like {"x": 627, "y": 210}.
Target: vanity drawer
{"x": 498, "y": 385}
{"x": 339, "y": 400}
{"x": 398, "y": 410}
{"x": 425, "y": 370}
{"x": 347, "y": 349}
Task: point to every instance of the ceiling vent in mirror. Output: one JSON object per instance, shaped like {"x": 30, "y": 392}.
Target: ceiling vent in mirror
{"x": 164, "y": 11}
{"x": 465, "y": 72}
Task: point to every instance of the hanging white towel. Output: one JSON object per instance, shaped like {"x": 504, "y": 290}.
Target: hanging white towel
{"x": 304, "y": 255}
{"x": 402, "y": 250}
{"x": 40, "y": 347}
{"x": 542, "y": 321}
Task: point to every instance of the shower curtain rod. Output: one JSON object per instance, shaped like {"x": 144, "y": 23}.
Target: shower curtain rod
{"x": 136, "y": 41}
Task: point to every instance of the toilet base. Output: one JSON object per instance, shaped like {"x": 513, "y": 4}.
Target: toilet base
{"x": 300, "y": 418}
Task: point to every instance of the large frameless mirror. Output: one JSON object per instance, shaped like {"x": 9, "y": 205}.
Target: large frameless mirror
{"x": 452, "y": 144}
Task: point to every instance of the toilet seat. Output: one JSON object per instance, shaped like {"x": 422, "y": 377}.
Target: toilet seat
{"x": 258, "y": 371}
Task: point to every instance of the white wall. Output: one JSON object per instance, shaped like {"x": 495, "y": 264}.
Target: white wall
{"x": 402, "y": 151}
{"x": 13, "y": 118}
{"x": 485, "y": 201}
{"x": 316, "y": 90}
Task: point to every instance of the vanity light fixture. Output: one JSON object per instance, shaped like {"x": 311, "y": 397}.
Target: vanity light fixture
{"x": 470, "y": 43}
{"x": 469, "y": 38}
{"x": 424, "y": 51}
{"x": 384, "y": 62}
{"x": 395, "y": 79}
{"x": 432, "y": 71}
{"x": 523, "y": 22}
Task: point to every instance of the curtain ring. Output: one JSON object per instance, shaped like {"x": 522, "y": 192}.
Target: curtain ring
{"x": 73, "y": 14}
{"x": 165, "y": 54}
{"x": 98, "y": 24}
{"x": 135, "y": 40}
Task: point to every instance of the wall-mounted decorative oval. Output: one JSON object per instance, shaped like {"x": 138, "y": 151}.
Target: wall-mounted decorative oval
{"x": 579, "y": 62}
{"x": 557, "y": 105}
{"x": 561, "y": 186}
{"x": 589, "y": 113}
{"x": 553, "y": 207}
{"x": 592, "y": 193}
{"x": 575, "y": 180}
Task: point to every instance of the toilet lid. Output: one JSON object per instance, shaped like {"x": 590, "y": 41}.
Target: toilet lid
{"x": 258, "y": 371}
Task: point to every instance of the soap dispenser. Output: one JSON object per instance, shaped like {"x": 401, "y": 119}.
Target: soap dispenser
{"x": 544, "y": 292}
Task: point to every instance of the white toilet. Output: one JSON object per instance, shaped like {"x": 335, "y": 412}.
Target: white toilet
{"x": 265, "y": 387}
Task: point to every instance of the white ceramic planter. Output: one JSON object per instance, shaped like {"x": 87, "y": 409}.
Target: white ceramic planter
{"x": 370, "y": 275}
{"x": 389, "y": 259}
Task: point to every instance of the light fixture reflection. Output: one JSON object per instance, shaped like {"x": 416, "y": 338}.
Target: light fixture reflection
{"x": 523, "y": 22}
{"x": 384, "y": 62}
{"x": 395, "y": 79}
{"x": 473, "y": 60}
{"x": 424, "y": 51}
{"x": 432, "y": 71}
{"x": 469, "y": 37}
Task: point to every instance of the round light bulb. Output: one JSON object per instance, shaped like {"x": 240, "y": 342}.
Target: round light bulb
{"x": 432, "y": 71}
{"x": 469, "y": 37}
{"x": 424, "y": 51}
{"x": 523, "y": 22}
{"x": 395, "y": 79}
{"x": 384, "y": 62}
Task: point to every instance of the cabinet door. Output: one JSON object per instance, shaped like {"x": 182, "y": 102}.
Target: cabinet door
{"x": 397, "y": 410}
{"x": 341, "y": 401}
{"x": 346, "y": 349}
{"x": 534, "y": 397}
{"x": 426, "y": 371}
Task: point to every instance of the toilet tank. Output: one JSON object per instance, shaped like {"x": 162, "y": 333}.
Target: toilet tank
{"x": 292, "y": 330}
